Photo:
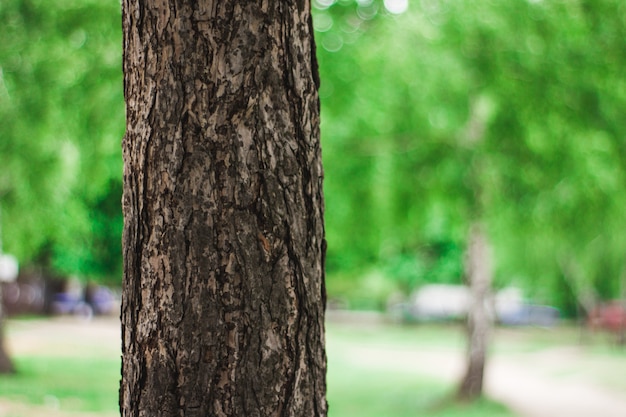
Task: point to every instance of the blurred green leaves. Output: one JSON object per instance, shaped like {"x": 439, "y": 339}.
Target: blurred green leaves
{"x": 435, "y": 113}
{"x": 62, "y": 113}
{"x": 455, "y": 111}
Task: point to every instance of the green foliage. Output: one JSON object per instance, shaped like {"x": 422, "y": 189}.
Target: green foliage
{"x": 433, "y": 117}
{"x": 63, "y": 118}
{"x": 453, "y": 112}
{"x": 439, "y": 262}
{"x": 366, "y": 289}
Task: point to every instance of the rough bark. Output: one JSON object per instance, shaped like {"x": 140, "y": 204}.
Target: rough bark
{"x": 223, "y": 299}
{"x": 478, "y": 319}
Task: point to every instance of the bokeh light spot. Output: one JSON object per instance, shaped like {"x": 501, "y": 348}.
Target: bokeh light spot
{"x": 396, "y": 6}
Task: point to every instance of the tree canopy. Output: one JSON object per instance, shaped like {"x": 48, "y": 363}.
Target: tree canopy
{"x": 434, "y": 113}
{"x": 61, "y": 106}
{"x": 405, "y": 95}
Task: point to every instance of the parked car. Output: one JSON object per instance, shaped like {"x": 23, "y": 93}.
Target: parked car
{"x": 611, "y": 318}
{"x": 445, "y": 302}
{"x": 91, "y": 300}
{"x": 530, "y": 315}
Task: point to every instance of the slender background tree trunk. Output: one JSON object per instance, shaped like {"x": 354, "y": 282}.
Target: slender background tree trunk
{"x": 223, "y": 299}
{"x": 6, "y": 364}
{"x": 478, "y": 269}
{"x": 479, "y": 318}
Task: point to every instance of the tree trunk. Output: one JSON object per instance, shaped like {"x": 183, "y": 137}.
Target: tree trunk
{"x": 479, "y": 317}
{"x": 223, "y": 298}
{"x": 6, "y": 365}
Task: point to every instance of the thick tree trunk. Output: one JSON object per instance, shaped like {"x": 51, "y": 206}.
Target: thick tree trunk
{"x": 479, "y": 318}
{"x": 223, "y": 302}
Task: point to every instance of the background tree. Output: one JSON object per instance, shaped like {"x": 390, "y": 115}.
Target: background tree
{"x": 398, "y": 92}
{"x": 6, "y": 364}
{"x": 223, "y": 299}
{"x": 403, "y": 93}
{"x": 479, "y": 320}
{"x": 62, "y": 113}
{"x": 62, "y": 116}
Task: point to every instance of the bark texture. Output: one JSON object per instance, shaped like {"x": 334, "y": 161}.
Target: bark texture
{"x": 479, "y": 319}
{"x": 223, "y": 299}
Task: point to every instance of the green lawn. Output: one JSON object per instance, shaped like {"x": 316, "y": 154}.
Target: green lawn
{"x": 359, "y": 392}
{"x": 363, "y": 388}
{"x": 76, "y": 384}
{"x": 89, "y": 383}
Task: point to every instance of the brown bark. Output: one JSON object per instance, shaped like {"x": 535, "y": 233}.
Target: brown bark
{"x": 478, "y": 319}
{"x": 478, "y": 257}
{"x": 223, "y": 300}
{"x": 6, "y": 364}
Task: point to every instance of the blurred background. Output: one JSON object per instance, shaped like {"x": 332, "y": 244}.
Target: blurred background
{"x": 437, "y": 115}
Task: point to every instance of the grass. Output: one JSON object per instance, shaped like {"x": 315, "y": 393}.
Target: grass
{"x": 373, "y": 370}
{"x": 89, "y": 382}
{"x": 359, "y": 392}
{"x": 70, "y": 384}
{"x": 362, "y": 388}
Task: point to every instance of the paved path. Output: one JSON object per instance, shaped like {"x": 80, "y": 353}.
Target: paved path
{"x": 531, "y": 393}
{"x": 523, "y": 385}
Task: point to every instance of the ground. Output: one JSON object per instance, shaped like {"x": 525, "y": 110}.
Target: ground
{"x": 539, "y": 378}
{"x": 60, "y": 337}
{"x": 545, "y": 384}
